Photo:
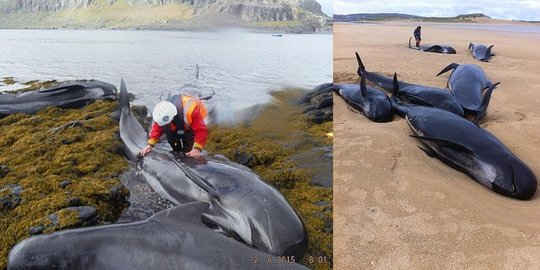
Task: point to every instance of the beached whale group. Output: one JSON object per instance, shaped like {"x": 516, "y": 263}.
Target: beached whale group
{"x": 439, "y": 119}
{"x": 478, "y": 51}
{"x": 211, "y": 196}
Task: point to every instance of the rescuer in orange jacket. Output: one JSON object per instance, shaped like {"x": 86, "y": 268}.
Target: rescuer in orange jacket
{"x": 181, "y": 118}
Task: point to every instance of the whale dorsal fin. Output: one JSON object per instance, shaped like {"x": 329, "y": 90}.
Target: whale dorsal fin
{"x": 188, "y": 213}
{"x": 123, "y": 98}
{"x": 445, "y": 142}
{"x": 447, "y": 68}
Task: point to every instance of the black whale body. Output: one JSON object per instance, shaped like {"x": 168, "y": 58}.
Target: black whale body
{"x": 434, "y": 48}
{"x": 481, "y": 52}
{"x": 371, "y": 102}
{"x": 469, "y": 84}
{"x": 465, "y": 146}
{"x": 418, "y": 94}
{"x": 75, "y": 94}
{"x": 173, "y": 239}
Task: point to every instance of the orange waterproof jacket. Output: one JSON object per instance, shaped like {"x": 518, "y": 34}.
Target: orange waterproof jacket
{"x": 194, "y": 112}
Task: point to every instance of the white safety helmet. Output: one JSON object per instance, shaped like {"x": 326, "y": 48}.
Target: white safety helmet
{"x": 164, "y": 112}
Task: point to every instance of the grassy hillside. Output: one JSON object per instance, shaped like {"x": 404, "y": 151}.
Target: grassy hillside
{"x": 102, "y": 15}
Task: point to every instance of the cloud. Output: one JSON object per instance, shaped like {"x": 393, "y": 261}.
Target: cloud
{"x": 498, "y": 9}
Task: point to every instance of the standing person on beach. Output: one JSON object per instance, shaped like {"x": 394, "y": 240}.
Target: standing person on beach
{"x": 417, "y": 35}
{"x": 181, "y": 118}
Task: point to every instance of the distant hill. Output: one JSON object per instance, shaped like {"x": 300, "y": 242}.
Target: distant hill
{"x": 399, "y": 16}
{"x": 279, "y": 15}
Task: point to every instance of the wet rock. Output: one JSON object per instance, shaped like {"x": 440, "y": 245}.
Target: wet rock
{"x": 243, "y": 158}
{"x": 65, "y": 183}
{"x": 87, "y": 215}
{"x": 74, "y": 201}
{"x": 318, "y": 103}
{"x": 10, "y": 200}
{"x": 322, "y": 203}
{"x": 4, "y": 170}
{"x": 36, "y": 229}
{"x": 141, "y": 114}
{"x": 54, "y": 220}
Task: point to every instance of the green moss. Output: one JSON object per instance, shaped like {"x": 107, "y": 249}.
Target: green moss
{"x": 268, "y": 146}
{"x": 46, "y": 149}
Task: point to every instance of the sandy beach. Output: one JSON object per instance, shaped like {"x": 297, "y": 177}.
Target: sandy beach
{"x": 397, "y": 208}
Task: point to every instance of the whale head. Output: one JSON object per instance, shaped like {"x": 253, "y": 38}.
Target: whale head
{"x": 516, "y": 181}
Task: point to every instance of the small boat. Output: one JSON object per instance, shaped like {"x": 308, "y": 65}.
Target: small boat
{"x": 277, "y": 35}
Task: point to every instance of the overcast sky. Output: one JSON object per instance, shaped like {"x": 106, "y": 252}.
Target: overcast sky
{"x": 498, "y": 9}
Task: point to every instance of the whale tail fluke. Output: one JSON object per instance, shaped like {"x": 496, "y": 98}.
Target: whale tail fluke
{"x": 123, "y": 98}
{"x": 488, "y": 54}
{"x": 449, "y": 67}
{"x": 485, "y": 102}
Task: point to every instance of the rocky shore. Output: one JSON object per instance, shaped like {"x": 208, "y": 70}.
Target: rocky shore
{"x": 66, "y": 168}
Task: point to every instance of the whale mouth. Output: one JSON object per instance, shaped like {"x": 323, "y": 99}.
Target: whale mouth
{"x": 514, "y": 189}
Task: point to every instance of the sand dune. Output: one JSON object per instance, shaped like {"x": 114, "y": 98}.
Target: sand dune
{"x": 397, "y": 208}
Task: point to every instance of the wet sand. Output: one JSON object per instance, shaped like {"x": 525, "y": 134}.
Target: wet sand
{"x": 397, "y": 208}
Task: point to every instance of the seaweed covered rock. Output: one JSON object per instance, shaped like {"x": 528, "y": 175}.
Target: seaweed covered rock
{"x": 63, "y": 171}
{"x": 10, "y": 197}
{"x": 4, "y": 170}
{"x": 318, "y": 104}
{"x": 288, "y": 151}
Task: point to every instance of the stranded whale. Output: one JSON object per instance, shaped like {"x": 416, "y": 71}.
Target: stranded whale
{"x": 174, "y": 238}
{"x": 239, "y": 200}
{"x": 371, "y": 102}
{"x": 66, "y": 95}
{"x": 467, "y": 83}
{"x": 468, "y": 148}
{"x": 434, "y": 48}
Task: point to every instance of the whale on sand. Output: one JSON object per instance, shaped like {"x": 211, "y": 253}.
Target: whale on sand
{"x": 75, "y": 94}
{"x": 174, "y": 238}
{"x": 481, "y": 52}
{"x": 468, "y": 148}
{"x": 434, "y": 48}
{"x": 371, "y": 102}
{"x": 418, "y": 94}
{"x": 469, "y": 84}
{"x": 240, "y": 201}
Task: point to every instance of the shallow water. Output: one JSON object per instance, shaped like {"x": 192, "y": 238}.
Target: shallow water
{"x": 241, "y": 67}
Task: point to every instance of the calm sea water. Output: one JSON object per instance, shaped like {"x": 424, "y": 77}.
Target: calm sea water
{"x": 241, "y": 67}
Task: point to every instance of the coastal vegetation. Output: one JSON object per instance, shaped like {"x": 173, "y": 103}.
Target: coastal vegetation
{"x": 59, "y": 169}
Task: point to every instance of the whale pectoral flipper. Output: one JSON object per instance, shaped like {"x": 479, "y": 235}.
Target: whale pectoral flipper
{"x": 428, "y": 152}
{"x": 189, "y": 212}
{"x": 199, "y": 181}
{"x": 444, "y": 142}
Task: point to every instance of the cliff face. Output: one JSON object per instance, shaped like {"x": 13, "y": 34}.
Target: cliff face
{"x": 247, "y": 10}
